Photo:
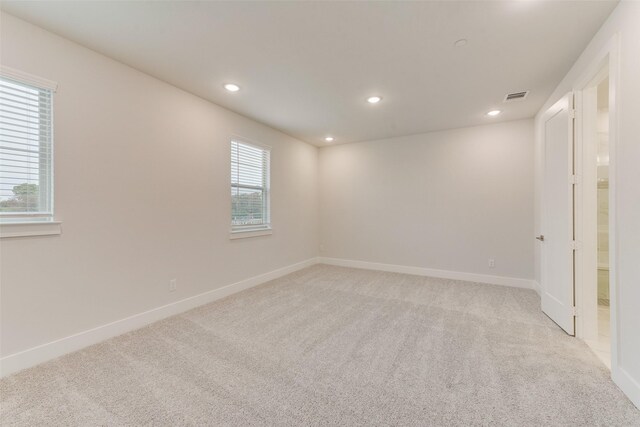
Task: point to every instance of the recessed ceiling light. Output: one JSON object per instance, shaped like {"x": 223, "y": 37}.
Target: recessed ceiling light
{"x": 329, "y": 139}
{"x": 231, "y": 87}
{"x": 374, "y": 99}
{"x": 460, "y": 42}
{"x": 493, "y": 113}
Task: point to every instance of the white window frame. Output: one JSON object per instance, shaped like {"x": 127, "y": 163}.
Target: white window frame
{"x": 39, "y": 223}
{"x": 243, "y": 231}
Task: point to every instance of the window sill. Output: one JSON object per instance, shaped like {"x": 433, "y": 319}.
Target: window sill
{"x": 28, "y": 229}
{"x": 243, "y": 234}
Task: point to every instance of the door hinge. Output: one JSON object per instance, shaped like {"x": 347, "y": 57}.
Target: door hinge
{"x": 574, "y": 311}
{"x": 575, "y": 245}
{"x": 574, "y": 179}
{"x": 572, "y": 114}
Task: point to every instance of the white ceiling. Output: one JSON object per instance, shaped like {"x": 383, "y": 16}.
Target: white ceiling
{"x": 306, "y": 68}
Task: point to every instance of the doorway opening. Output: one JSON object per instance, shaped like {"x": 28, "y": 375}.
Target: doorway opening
{"x": 602, "y": 344}
{"x": 592, "y": 142}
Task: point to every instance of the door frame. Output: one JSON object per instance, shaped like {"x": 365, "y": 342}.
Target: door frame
{"x": 607, "y": 61}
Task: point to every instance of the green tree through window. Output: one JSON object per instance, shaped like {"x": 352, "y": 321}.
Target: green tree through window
{"x": 25, "y": 199}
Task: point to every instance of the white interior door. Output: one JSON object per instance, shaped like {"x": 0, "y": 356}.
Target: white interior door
{"x": 557, "y": 225}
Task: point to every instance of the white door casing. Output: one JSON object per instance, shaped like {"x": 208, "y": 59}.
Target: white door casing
{"x": 557, "y": 226}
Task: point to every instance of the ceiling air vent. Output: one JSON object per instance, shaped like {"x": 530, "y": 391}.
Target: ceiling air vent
{"x": 515, "y": 96}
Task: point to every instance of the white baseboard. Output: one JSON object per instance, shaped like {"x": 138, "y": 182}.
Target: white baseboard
{"x": 627, "y": 384}
{"x": 42, "y": 353}
{"x": 431, "y": 272}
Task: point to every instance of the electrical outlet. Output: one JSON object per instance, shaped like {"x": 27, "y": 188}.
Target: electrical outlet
{"x": 492, "y": 263}
{"x": 173, "y": 285}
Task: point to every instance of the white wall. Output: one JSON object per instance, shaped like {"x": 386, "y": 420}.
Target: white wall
{"x": 623, "y": 24}
{"x": 142, "y": 187}
{"x": 445, "y": 200}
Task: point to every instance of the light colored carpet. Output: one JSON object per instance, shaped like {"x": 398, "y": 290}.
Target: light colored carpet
{"x": 333, "y": 346}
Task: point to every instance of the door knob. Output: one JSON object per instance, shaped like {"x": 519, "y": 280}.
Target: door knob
{"x": 540, "y": 237}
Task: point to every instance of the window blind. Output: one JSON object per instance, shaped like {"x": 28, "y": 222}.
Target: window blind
{"x": 249, "y": 187}
{"x": 26, "y": 177}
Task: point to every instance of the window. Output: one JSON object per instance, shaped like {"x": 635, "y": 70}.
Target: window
{"x": 26, "y": 149}
{"x": 249, "y": 188}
